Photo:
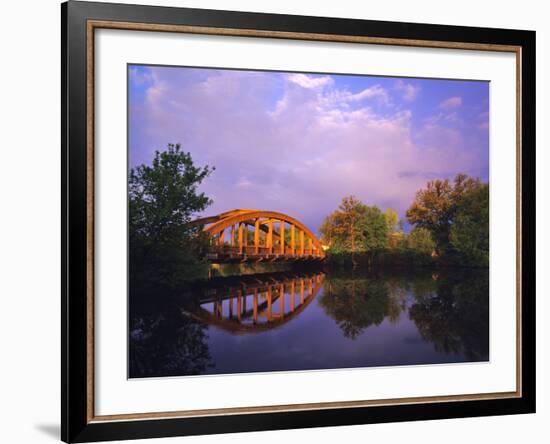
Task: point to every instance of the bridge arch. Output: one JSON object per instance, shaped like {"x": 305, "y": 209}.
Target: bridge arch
{"x": 269, "y": 238}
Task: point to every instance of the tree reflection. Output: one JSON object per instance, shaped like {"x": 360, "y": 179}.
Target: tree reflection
{"x": 355, "y": 304}
{"x": 454, "y": 316}
{"x": 167, "y": 342}
{"x": 449, "y": 310}
{"x": 446, "y": 308}
{"x": 397, "y": 301}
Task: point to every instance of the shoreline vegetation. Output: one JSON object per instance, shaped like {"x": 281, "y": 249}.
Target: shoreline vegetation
{"x": 448, "y": 226}
{"x": 449, "y": 223}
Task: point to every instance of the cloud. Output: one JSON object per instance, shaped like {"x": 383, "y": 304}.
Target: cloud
{"x": 293, "y": 143}
{"x": 443, "y": 118}
{"x": 310, "y": 82}
{"x": 243, "y": 182}
{"x": 408, "y": 90}
{"x": 483, "y": 119}
{"x": 451, "y": 102}
{"x": 368, "y": 93}
{"x": 139, "y": 76}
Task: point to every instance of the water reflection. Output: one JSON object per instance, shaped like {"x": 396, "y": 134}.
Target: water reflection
{"x": 299, "y": 321}
{"x": 453, "y": 314}
{"x": 257, "y": 303}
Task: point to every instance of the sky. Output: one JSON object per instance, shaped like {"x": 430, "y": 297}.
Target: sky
{"x": 298, "y": 143}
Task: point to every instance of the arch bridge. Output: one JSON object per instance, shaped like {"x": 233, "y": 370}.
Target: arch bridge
{"x": 255, "y": 235}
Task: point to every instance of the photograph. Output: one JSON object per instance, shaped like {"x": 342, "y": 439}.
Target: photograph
{"x": 305, "y": 221}
{"x": 278, "y": 220}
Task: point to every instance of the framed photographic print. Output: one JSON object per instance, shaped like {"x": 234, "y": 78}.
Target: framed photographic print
{"x": 275, "y": 221}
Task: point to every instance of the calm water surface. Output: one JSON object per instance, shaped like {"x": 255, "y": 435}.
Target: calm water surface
{"x": 312, "y": 320}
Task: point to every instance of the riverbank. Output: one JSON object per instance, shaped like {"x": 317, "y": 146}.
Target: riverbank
{"x": 245, "y": 269}
{"x": 397, "y": 259}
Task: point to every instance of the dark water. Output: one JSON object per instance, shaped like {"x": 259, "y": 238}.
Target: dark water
{"x": 313, "y": 320}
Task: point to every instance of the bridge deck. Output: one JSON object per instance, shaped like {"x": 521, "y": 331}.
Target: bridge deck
{"x": 252, "y": 254}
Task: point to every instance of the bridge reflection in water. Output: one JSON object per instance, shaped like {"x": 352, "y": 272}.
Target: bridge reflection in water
{"x": 257, "y": 304}
{"x": 306, "y": 321}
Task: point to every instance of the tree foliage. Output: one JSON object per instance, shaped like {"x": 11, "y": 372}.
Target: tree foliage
{"x": 435, "y": 206}
{"x": 392, "y": 220}
{"x": 354, "y": 228}
{"x": 469, "y": 234}
{"x": 456, "y": 214}
{"x": 395, "y": 228}
{"x": 163, "y": 198}
{"x": 420, "y": 240}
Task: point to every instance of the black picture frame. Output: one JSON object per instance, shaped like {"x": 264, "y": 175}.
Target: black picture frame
{"x": 76, "y": 423}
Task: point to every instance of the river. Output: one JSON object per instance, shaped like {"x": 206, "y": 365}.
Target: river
{"x": 309, "y": 321}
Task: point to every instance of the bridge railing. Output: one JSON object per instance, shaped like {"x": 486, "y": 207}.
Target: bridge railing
{"x": 262, "y": 251}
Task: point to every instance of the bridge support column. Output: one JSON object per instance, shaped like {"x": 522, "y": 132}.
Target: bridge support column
{"x": 282, "y": 237}
{"x": 240, "y": 243}
{"x": 232, "y": 235}
{"x": 292, "y": 240}
{"x": 301, "y": 242}
{"x": 257, "y": 236}
{"x": 270, "y": 237}
{"x": 221, "y": 238}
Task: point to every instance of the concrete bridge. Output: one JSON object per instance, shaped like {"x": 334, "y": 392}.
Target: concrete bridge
{"x": 246, "y": 235}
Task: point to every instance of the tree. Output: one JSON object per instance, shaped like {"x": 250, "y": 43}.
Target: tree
{"x": 355, "y": 228}
{"x": 392, "y": 220}
{"x": 470, "y": 231}
{"x": 345, "y": 223}
{"x": 163, "y": 198}
{"x": 339, "y": 229}
{"x": 374, "y": 229}
{"x": 420, "y": 240}
{"x": 395, "y": 228}
{"x": 434, "y": 207}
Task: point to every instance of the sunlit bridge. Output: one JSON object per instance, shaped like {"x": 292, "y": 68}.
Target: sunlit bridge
{"x": 257, "y": 304}
{"x": 256, "y": 235}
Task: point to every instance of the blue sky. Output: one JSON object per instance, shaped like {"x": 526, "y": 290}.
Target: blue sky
{"x": 298, "y": 143}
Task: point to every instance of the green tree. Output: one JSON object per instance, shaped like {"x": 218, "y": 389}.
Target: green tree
{"x": 392, "y": 220}
{"x": 420, "y": 240}
{"x": 345, "y": 227}
{"x": 340, "y": 230}
{"x": 470, "y": 231}
{"x": 435, "y": 207}
{"x": 374, "y": 229}
{"x": 395, "y": 228}
{"x": 354, "y": 228}
{"x": 163, "y": 198}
